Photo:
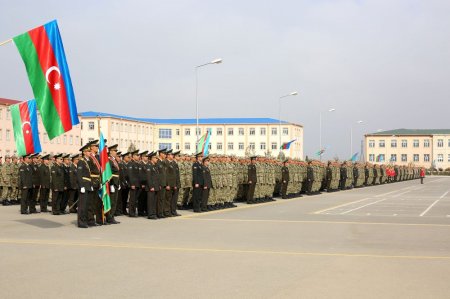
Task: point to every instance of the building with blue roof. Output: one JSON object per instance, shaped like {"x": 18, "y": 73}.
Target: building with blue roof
{"x": 229, "y": 136}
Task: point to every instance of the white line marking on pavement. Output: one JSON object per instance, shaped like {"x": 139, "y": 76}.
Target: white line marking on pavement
{"x": 369, "y": 204}
{"x": 343, "y": 205}
{"x": 443, "y": 195}
{"x": 429, "y": 208}
{"x": 387, "y": 193}
{"x": 397, "y": 195}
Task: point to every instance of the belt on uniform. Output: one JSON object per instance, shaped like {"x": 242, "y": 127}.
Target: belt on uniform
{"x": 115, "y": 175}
{"x": 86, "y": 179}
{"x": 95, "y": 175}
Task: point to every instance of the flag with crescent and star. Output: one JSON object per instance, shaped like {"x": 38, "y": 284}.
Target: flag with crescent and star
{"x": 25, "y": 125}
{"x": 42, "y": 52}
{"x": 106, "y": 174}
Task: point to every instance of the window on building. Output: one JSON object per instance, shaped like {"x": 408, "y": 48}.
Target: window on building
{"x": 262, "y": 146}
{"x": 381, "y": 158}
{"x": 404, "y": 158}
{"x": 285, "y": 131}
{"x": 241, "y": 146}
{"x": 230, "y": 131}
{"x": 210, "y": 145}
{"x": 230, "y": 145}
{"x": 164, "y": 145}
{"x": 70, "y": 139}
{"x": 440, "y": 143}
{"x": 8, "y": 135}
{"x": 371, "y": 157}
{"x": 199, "y": 131}
{"x": 1, "y": 113}
{"x": 187, "y": 132}
{"x": 1, "y": 134}
{"x": 440, "y": 158}
{"x": 187, "y": 146}
{"x": 426, "y": 157}
{"x": 381, "y": 143}
{"x": 252, "y": 145}
{"x": 64, "y": 139}
{"x": 219, "y": 146}
{"x": 219, "y": 132}
{"x": 177, "y": 146}
{"x": 416, "y": 143}
{"x": 393, "y": 157}
{"x": 371, "y": 143}
{"x": 426, "y": 143}
{"x": 274, "y": 145}
{"x": 241, "y": 131}
{"x": 8, "y": 113}
{"x": 262, "y": 131}
{"x": 448, "y": 159}
{"x": 112, "y": 126}
{"x": 252, "y": 131}
{"x": 165, "y": 133}
{"x": 393, "y": 143}
{"x": 76, "y": 140}
{"x": 274, "y": 131}
{"x": 91, "y": 125}
{"x": 177, "y": 132}
{"x": 404, "y": 143}
{"x": 416, "y": 157}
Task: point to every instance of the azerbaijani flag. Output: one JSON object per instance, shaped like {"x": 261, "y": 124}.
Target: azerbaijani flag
{"x": 287, "y": 145}
{"x": 42, "y": 52}
{"x": 203, "y": 143}
{"x": 320, "y": 153}
{"x": 106, "y": 174}
{"x": 354, "y": 157}
{"x": 25, "y": 125}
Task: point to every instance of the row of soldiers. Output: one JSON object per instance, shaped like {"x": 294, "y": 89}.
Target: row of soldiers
{"x": 154, "y": 184}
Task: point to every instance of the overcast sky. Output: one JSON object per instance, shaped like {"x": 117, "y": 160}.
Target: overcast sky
{"x": 385, "y": 62}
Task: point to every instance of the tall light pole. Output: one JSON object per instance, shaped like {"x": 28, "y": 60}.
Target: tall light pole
{"x": 215, "y": 61}
{"x": 294, "y": 93}
{"x": 320, "y": 129}
{"x": 351, "y": 136}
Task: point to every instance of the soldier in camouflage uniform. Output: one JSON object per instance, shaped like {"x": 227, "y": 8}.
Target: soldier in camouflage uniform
{"x": 5, "y": 181}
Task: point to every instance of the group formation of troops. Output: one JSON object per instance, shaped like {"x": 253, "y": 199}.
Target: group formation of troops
{"x": 155, "y": 184}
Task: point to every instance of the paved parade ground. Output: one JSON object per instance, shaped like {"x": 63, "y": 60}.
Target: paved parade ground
{"x": 388, "y": 241}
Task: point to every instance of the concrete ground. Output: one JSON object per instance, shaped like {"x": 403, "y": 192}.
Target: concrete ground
{"x": 389, "y": 241}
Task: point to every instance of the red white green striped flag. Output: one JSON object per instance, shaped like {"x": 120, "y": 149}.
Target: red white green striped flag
{"x": 25, "y": 125}
{"x": 42, "y": 52}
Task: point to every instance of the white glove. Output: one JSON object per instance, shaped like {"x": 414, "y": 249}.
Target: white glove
{"x": 119, "y": 188}
{"x": 82, "y": 190}
{"x": 112, "y": 189}
{"x": 92, "y": 188}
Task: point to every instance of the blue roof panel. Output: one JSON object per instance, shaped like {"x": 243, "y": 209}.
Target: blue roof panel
{"x": 188, "y": 121}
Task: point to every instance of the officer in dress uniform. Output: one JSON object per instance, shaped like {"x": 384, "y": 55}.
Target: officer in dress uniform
{"x": 85, "y": 186}
{"x": 95, "y": 202}
{"x": 207, "y": 184}
{"x": 114, "y": 184}
{"x": 57, "y": 184}
{"x": 25, "y": 185}
{"x": 73, "y": 191}
{"x": 142, "y": 199}
{"x": 67, "y": 186}
{"x": 171, "y": 188}
{"x": 252, "y": 180}
{"x": 197, "y": 183}
{"x": 284, "y": 179}
{"x": 124, "y": 184}
{"x": 36, "y": 181}
{"x": 152, "y": 186}
{"x": 134, "y": 181}
{"x": 44, "y": 174}
{"x": 162, "y": 169}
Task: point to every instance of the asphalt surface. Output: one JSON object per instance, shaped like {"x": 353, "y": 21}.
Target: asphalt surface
{"x": 389, "y": 241}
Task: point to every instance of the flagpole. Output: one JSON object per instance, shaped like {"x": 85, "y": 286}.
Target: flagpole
{"x": 6, "y": 42}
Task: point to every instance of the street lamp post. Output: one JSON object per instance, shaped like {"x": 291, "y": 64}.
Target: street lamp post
{"x": 320, "y": 129}
{"x": 294, "y": 93}
{"x": 215, "y": 61}
{"x": 351, "y": 136}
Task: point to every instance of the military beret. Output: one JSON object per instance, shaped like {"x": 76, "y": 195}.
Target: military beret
{"x": 113, "y": 147}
